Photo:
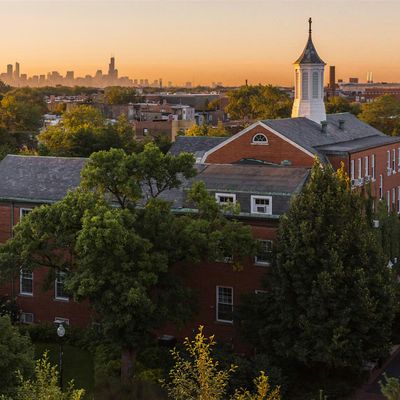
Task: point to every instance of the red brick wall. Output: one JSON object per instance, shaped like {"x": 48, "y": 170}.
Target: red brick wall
{"x": 276, "y": 151}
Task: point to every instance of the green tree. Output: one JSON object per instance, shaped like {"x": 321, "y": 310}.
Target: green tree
{"x": 383, "y": 114}
{"x": 121, "y": 95}
{"x": 332, "y": 298}
{"x": 198, "y": 376}
{"x": 21, "y": 110}
{"x": 45, "y": 386}
{"x": 207, "y": 130}
{"x": 16, "y": 354}
{"x": 338, "y": 104}
{"x": 390, "y": 388}
{"x": 258, "y": 102}
{"x": 84, "y": 130}
{"x": 119, "y": 258}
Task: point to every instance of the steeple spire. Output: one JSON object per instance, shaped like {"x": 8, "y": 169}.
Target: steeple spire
{"x": 309, "y": 27}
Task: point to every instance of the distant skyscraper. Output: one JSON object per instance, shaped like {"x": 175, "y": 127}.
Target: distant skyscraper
{"x": 112, "y": 72}
{"x": 9, "y": 71}
{"x": 70, "y": 76}
{"x": 16, "y": 72}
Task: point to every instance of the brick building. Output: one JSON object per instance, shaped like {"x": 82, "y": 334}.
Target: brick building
{"x": 261, "y": 168}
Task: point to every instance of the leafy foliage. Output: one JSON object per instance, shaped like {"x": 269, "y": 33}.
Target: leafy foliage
{"x": 16, "y": 354}
{"x": 198, "y": 376}
{"x": 45, "y": 385}
{"x": 121, "y": 95}
{"x": 258, "y": 102}
{"x": 390, "y": 388}
{"x": 383, "y": 114}
{"x": 332, "y": 299}
{"x": 338, "y": 104}
{"x": 206, "y": 130}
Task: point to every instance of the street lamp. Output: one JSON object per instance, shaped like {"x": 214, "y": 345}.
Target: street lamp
{"x": 60, "y": 333}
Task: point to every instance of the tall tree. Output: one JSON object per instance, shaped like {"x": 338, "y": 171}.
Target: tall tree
{"x": 338, "y": 104}
{"x": 207, "y": 130}
{"x": 117, "y": 95}
{"x": 258, "y": 102}
{"x": 16, "y": 354}
{"x": 383, "y": 114}
{"x": 120, "y": 258}
{"x": 332, "y": 299}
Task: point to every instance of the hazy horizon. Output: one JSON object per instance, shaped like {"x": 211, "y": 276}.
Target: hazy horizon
{"x": 200, "y": 41}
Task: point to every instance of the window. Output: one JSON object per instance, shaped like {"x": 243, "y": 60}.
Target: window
{"x": 315, "y": 85}
{"x": 366, "y": 166}
{"x": 373, "y": 166}
{"x": 398, "y": 199}
{"x": 297, "y": 84}
{"x": 398, "y": 162}
{"x": 59, "y": 286}
{"x": 352, "y": 170}
{"x": 381, "y": 186}
{"x": 225, "y": 199}
{"x": 26, "y": 282}
{"x": 393, "y": 199}
{"x": 61, "y": 320}
{"x": 261, "y": 205}
{"x": 388, "y": 200}
{"x": 26, "y": 318}
{"x": 394, "y": 161}
{"x": 23, "y": 212}
{"x": 359, "y": 168}
{"x": 264, "y": 253}
{"x": 388, "y": 163}
{"x": 224, "y": 304}
{"x": 259, "y": 138}
{"x": 260, "y": 291}
{"x": 304, "y": 86}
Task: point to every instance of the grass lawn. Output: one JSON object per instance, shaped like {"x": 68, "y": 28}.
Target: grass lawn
{"x": 77, "y": 365}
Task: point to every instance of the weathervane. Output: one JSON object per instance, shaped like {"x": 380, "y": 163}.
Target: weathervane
{"x": 309, "y": 25}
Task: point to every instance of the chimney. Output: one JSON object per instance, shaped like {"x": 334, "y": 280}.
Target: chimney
{"x": 341, "y": 124}
{"x": 324, "y": 126}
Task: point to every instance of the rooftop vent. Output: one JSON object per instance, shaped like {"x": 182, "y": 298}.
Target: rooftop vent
{"x": 324, "y": 126}
{"x": 341, "y": 124}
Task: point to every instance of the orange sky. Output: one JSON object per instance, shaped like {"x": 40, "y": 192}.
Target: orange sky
{"x": 199, "y": 40}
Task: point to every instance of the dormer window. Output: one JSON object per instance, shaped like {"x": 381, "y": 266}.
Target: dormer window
{"x": 225, "y": 198}
{"x": 261, "y": 205}
{"x": 259, "y": 138}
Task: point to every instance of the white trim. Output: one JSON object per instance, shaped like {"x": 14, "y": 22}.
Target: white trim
{"x": 25, "y": 320}
{"x": 260, "y": 291}
{"x": 253, "y": 209}
{"x": 249, "y": 128}
{"x": 61, "y": 320}
{"x": 217, "y": 302}
{"x": 21, "y": 211}
{"x": 55, "y": 287}
{"x": 30, "y": 294}
{"x": 218, "y": 195}
{"x": 258, "y": 143}
{"x": 263, "y": 263}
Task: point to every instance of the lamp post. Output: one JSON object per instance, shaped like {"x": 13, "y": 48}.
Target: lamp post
{"x": 60, "y": 333}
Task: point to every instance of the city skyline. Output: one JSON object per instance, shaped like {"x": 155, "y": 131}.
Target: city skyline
{"x": 201, "y": 42}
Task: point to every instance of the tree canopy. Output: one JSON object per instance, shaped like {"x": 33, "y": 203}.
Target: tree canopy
{"x": 84, "y": 130}
{"x": 120, "y": 258}
{"x": 258, "y": 102}
{"x": 338, "y": 104}
{"x": 383, "y": 114}
{"x": 121, "y": 95}
{"x": 332, "y": 298}
{"x": 207, "y": 130}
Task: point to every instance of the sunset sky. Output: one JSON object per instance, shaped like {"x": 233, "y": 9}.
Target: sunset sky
{"x": 201, "y": 41}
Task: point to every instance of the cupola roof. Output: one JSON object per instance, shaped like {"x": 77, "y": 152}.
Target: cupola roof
{"x": 309, "y": 55}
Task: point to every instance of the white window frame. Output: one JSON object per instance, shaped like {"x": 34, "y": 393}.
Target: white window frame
{"x": 398, "y": 162}
{"x": 24, "y": 320}
{"x": 23, "y": 211}
{"x": 261, "y": 142}
{"x": 217, "y": 304}
{"x": 388, "y": 200}
{"x": 393, "y": 199}
{"x": 373, "y": 167}
{"x": 263, "y": 263}
{"x": 352, "y": 170}
{"x": 398, "y": 199}
{"x": 219, "y": 195}
{"x": 366, "y": 166}
{"x": 61, "y": 320}
{"x": 388, "y": 163}
{"x": 393, "y": 161}
{"x": 253, "y": 199}
{"x": 381, "y": 187}
{"x": 56, "y": 282}
{"x": 359, "y": 168}
{"x": 21, "y": 292}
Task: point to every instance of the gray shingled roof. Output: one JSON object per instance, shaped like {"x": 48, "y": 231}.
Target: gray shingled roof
{"x": 197, "y": 145}
{"x": 309, "y": 54}
{"x": 41, "y": 179}
{"x": 308, "y": 134}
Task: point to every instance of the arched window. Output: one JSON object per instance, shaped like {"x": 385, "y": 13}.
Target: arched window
{"x": 304, "y": 86}
{"x": 315, "y": 85}
{"x": 260, "y": 138}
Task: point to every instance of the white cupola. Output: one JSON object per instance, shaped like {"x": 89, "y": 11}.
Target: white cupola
{"x": 309, "y": 84}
